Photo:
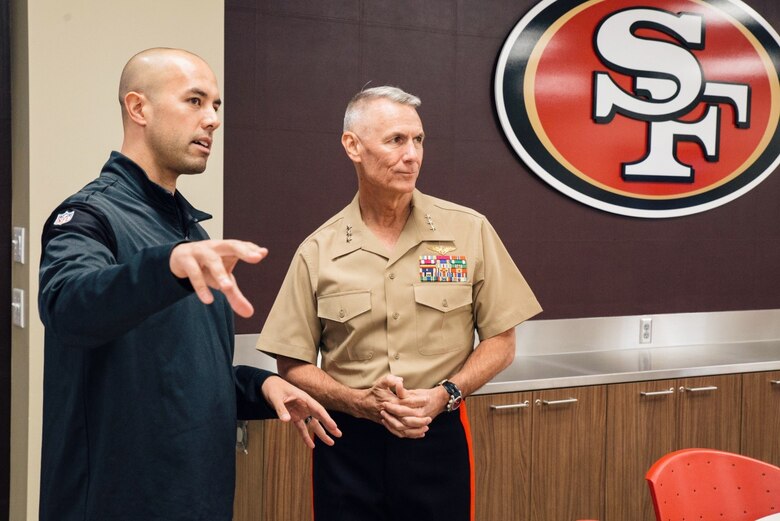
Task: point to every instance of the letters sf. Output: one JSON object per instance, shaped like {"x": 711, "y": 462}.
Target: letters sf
{"x": 668, "y": 83}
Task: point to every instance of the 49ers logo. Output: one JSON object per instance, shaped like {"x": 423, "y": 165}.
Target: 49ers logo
{"x": 654, "y": 108}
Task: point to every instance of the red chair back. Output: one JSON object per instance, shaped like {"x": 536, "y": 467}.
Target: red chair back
{"x": 712, "y": 485}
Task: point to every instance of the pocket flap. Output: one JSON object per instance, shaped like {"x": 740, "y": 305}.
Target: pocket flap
{"x": 443, "y": 296}
{"x": 341, "y": 307}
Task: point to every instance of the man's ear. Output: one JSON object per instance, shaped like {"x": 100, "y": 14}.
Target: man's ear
{"x": 135, "y": 107}
{"x": 351, "y": 145}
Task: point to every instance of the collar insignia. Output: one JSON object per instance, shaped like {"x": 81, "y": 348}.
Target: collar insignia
{"x": 429, "y": 220}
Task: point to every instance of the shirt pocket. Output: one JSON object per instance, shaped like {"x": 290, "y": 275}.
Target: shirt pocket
{"x": 346, "y": 319}
{"x": 445, "y": 320}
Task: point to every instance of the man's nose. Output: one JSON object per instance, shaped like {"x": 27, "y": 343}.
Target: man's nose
{"x": 413, "y": 150}
{"x": 211, "y": 119}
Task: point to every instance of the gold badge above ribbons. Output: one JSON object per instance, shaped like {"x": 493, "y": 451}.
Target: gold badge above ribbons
{"x": 439, "y": 249}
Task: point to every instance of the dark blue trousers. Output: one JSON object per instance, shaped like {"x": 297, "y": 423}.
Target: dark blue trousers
{"x": 371, "y": 475}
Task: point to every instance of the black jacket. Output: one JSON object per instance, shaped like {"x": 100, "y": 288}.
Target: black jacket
{"x": 140, "y": 394}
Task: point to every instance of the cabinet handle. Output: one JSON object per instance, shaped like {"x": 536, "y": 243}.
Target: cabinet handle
{"x": 657, "y": 393}
{"x": 510, "y": 406}
{"x": 556, "y": 402}
{"x": 699, "y": 389}
{"x": 774, "y": 382}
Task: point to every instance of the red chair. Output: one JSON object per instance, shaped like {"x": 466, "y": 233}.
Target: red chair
{"x": 712, "y": 485}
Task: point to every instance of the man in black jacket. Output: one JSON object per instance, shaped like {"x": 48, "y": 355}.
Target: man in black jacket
{"x": 140, "y": 394}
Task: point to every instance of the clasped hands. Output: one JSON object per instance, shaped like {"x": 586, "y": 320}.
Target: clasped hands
{"x": 404, "y": 412}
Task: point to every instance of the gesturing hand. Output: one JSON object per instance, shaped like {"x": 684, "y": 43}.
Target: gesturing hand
{"x": 293, "y": 404}
{"x": 209, "y": 264}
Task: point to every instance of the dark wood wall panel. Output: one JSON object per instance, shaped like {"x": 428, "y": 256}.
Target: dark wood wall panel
{"x": 291, "y": 67}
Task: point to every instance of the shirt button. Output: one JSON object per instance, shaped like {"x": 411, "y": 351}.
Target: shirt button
{"x": 396, "y": 315}
{"x": 444, "y": 303}
{"x": 396, "y": 356}
{"x": 370, "y": 355}
{"x": 342, "y": 313}
{"x": 392, "y": 276}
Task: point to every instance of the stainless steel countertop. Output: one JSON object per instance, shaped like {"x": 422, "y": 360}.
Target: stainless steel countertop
{"x": 629, "y": 365}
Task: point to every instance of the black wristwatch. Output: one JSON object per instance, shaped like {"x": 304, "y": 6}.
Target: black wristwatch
{"x": 455, "y": 395}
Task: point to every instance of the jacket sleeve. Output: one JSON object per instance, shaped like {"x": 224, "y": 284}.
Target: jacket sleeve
{"x": 86, "y": 297}
{"x": 250, "y": 403}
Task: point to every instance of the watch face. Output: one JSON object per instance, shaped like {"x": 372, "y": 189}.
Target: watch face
{"x": 455, "y": 403}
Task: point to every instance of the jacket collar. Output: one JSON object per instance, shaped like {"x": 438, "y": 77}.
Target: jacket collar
{"x": 424, "y": 225}
{"x": 138, "y": 182}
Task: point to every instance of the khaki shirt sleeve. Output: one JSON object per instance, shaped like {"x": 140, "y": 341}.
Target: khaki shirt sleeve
{"x": 292, "y": 328}
{"x": 502, "y": 298}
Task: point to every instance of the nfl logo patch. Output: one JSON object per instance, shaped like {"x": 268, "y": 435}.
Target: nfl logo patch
{"x": 64, "y": 217}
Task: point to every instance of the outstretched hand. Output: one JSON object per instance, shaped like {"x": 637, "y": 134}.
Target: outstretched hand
{"x": 296, "y": 406}
{"x": 210, "y": 264}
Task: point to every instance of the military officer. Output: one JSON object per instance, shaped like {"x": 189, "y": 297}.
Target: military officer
{"x": 389, "y": 294}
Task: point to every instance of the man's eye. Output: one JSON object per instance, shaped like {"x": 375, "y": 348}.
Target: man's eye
{"x": 194, "y": 101}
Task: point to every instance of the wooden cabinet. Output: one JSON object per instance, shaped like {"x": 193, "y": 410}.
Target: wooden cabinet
{"x": 646, "y": 420}
{"x": 501, "y": 435}
{"x": 761, "y": 416}
{"x": 572, "y": 453}
{"x": 248, "y": 502}
{"x": 542, "y": 461}
{"x": 273, "y": 479}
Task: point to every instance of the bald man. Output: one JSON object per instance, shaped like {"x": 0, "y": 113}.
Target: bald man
{"x": 140, "y": 395}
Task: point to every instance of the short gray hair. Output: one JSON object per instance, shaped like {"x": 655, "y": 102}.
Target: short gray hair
{"x": 388, "y": 92}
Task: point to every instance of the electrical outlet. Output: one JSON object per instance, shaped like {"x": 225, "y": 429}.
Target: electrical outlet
{"x": 17, "y": 307}
{"x": 645, "y": 330}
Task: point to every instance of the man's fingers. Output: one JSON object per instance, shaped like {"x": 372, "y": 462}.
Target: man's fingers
{"x": 389, "y": 381}
{"x": 403, "y": 411}
{"x": 238, "y": 301}
{"x": 281, "y": 410}
{"x": 242, "y": 250}
{"x": 304, "y": 432}
{"x": 198, "y": 281}
{"x": 400, "y": 391}
{"x": 318, "y": 412}
{"x": 209, "y": 264}
{"x": 320, "y": 432}
{"x": 406, "y": 423}
{"x": 399, "y": 430}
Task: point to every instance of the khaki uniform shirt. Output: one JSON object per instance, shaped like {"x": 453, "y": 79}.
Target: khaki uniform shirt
{"x": 370, "y": 312}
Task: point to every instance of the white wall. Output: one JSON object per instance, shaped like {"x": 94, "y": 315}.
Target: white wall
{"x": 66, "y": 59}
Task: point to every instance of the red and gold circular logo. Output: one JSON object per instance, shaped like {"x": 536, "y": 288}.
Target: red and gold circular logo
{"x": 658, "y": 108}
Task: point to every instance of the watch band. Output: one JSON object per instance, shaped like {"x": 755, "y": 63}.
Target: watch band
{"x": 456, "y": 397}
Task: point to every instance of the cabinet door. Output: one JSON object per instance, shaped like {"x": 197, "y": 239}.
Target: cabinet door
{"x": 273, "y": 479}
{"x": 710, "y": 412}
{"x": 568, "y": 454}
{"x": 501, "y": 434}
{"x": 286, "y": 477}
{"x": 247, "y": 505}
{"x": 641, "y": 427}
{"x": 761, "y": 416}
